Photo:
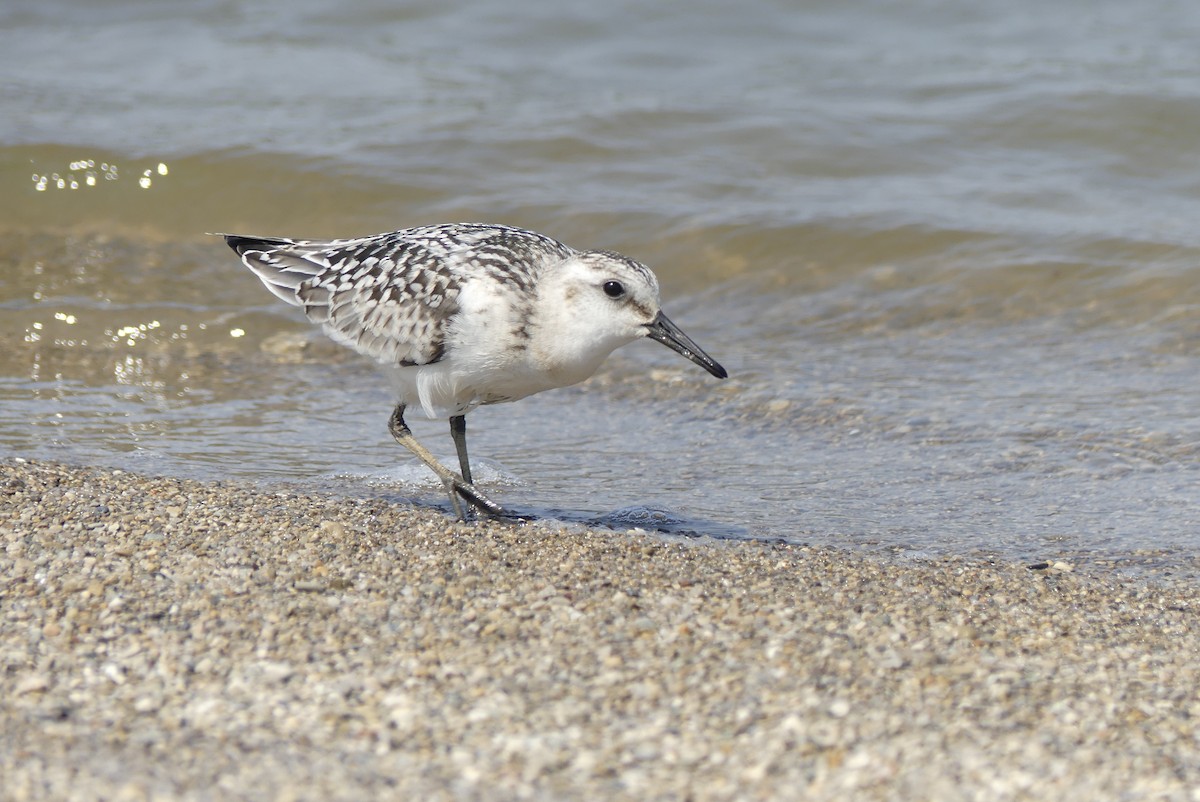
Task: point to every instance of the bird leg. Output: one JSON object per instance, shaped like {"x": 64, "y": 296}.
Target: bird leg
{"x": 455, "y": 485}
{"x": 458, "y": 431}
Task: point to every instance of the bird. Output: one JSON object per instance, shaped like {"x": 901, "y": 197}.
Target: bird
{"x": 463, "y": 315}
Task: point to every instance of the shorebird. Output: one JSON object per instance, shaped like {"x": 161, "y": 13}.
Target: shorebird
{"x": 467, "y": 314}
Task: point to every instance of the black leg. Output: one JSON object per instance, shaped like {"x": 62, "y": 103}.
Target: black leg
{"x": 455, "y": 485}
{"x": 458, "y": 430}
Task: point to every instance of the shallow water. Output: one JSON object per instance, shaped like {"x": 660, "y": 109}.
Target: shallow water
{"x": 949, "y": 255}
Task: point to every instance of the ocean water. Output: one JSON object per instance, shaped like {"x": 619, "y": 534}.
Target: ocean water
{"x": 949, "y": 253}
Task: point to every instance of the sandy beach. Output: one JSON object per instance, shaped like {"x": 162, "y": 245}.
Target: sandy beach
{"x": 171, "y": 639}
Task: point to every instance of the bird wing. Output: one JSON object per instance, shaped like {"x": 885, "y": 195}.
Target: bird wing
{"x": 392, "y": 296}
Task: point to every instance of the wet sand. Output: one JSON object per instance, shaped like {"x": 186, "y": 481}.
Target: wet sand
{"x": 170, "y": 639}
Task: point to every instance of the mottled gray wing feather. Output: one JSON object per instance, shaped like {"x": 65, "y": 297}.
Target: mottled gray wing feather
{"x": 392, "y": 296}
{"x": 393, "y": 308}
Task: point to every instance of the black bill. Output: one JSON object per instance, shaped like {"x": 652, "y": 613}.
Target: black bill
{"x": 667, "y": 333}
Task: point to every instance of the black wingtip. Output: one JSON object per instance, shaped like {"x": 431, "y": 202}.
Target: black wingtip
{"x": 241, "y": 244}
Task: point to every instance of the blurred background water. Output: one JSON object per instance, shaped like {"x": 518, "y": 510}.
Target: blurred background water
{"x": 949, "y": 253}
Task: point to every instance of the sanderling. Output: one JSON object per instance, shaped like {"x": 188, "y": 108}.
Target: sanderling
{"x": 463, "y": 315}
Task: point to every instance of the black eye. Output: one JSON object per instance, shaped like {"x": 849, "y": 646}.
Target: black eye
{"x": 614, "y": 289}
